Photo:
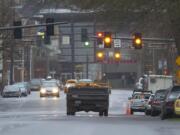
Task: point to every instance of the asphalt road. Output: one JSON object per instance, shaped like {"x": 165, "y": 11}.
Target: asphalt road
{"x": 47, "y": 116}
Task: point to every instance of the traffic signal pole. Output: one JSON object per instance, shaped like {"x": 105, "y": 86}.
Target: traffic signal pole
{"x": 87, "y": 66}
{"x": 12, "y": 64}
{"x": 72, "y": 50}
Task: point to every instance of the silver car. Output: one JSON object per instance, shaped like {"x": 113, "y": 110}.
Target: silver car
{"x": 11, "y": 91}
{"x": 139, "y": 101}
{"x": 25, "y": 90}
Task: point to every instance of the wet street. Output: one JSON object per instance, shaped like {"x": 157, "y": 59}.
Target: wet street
{"x": 33, "y": 115}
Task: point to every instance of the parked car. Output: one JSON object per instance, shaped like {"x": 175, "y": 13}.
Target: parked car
{"x": 167, "y": 108}
{"x": 69, "y": 83}
{"x": 49, "y": 88}
{"x": 157, "y": 102}
{"x": 35, "y": 84}
{"x": 148, "y": 105}
{"x": 11, "y": 91}
{"x": 138, "y": 101}
{"x": 24, "y": 86}
{"x": 177, "y": 106}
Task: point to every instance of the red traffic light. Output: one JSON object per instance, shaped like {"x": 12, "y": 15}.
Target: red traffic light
{"x": 100, "y": 34}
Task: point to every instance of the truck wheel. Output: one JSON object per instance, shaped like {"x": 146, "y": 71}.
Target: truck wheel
{"x": 57, "y": 95}
{"x": 68, "y": 113}
{"x": 106, "y": 113}
{"x": 101, "y": 113}
{"x": 132, "y": 112}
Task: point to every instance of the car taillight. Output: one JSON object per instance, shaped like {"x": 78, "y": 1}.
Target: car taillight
{"x": 178, "y": 104}
{"x": 156, "y": 102}
{"x": 170, "y": 103}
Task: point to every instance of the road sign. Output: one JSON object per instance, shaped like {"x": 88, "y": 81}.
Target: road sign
{"x": 66, "y": 40}
{"x": 178, "y": 61}
{"x": 117, "y": 43}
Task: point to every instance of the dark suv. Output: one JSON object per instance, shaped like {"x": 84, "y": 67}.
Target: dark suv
{"x": 167, "y": 108}
{"x": 157, "y": 102}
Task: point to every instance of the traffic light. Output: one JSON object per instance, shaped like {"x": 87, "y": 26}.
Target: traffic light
{"x": 84, "y": 37}
{"x": 100, "y": 36}
{"x": 50, "y": 28}
{"x": 137, "y": 40}
{"x": 117, "y": 56}
{"x": 100, "y": 55}
{"x": 86, "y": 44}
{"x": 17, "y": 31}
{"x": 107, "y": 39}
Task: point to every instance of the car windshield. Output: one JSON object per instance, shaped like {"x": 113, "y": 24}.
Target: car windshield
{"x": 71, "y": 81}
{"x": 85, "y": 81}
{"x": 12, "y": 88}
{"x": 141, "y": 96}
{"x": 49, "y": 84}
{"x": 35, "y": 81}
{"x": 174, "y": 95}
{"x": 160, "y": 95}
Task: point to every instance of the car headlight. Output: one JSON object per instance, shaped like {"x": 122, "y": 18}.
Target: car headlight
{"x": 43, "y": 91}
{"x": 55, "y": 90}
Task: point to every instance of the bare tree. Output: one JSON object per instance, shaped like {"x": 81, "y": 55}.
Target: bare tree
{"x": 6, "y": 17}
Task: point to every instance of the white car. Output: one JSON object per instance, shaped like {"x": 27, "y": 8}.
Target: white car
{"x": 23, "y": 87}
{"x": 11, "y": 91}
{"x": 69, "y": 83}
{"x": 49, "y": 88}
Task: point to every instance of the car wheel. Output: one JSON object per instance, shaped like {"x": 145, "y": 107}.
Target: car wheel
{"x": 106, "y": 113}
{"x": 163, "y": 114}
{"x": 101, "y": 113}
{"x": 147, "y": 112}
{"x": 25, "y": 94}
{"x": 73, "y": 113}
{"x": 153, "y": 112}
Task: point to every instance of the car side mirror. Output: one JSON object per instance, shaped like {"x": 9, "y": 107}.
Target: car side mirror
{"x": 129, "y": 98}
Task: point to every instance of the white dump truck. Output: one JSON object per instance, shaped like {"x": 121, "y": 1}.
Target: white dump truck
{"x": 154, "y": 82}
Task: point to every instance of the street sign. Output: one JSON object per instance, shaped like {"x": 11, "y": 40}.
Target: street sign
{"x": 66, "y": 40}
{"x": 117, "y": 43}
{"x": 101, "y": 46}
{"x": 178, "y": 61}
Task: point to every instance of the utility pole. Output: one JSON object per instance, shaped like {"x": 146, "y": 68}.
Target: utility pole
{"x": 12, "y": 52}
{"x": 30, "y": 63}
{"x": 72, "y": 49}
{"x": 87, "y": 66}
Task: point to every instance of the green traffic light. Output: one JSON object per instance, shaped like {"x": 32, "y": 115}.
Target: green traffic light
{"x": 86, "y": 43}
